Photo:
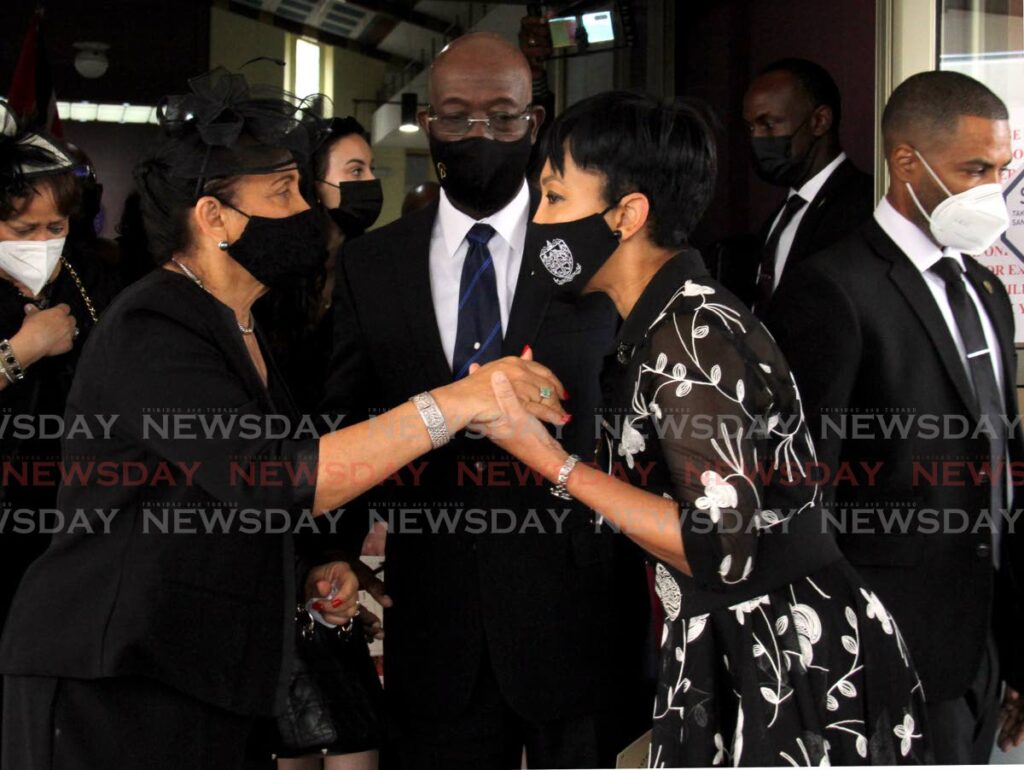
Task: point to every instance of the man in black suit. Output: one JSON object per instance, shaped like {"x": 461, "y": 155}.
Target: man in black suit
{"x": 896, "y": 323}
{"x": 515, "y": 621}
{"x": 793, "y": 110}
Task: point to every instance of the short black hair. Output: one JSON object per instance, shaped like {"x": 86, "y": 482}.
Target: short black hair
{"x": 815, "y": 82}
{"x": 930, "y": 104}
{"x": 664, "y": 150}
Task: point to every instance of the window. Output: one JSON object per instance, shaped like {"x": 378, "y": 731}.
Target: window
{"x": 306, "y": 68}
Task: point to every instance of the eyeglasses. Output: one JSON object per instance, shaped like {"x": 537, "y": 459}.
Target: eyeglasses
{"x": 500, "y": 125}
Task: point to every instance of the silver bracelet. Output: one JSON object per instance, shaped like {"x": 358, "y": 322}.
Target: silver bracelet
{"x": 12, "y": 369}
{"x": 560, "y": 490}
{"x": 433, "y": 419}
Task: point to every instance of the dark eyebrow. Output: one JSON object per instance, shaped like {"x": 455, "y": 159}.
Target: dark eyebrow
{"x": 355, "y": 160}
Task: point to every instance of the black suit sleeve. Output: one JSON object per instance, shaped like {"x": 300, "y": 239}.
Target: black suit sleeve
{"x": 347, "y": 390}
{"x": 815, "y": 324}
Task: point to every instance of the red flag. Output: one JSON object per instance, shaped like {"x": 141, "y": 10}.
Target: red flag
{"x": 31, "y": 96}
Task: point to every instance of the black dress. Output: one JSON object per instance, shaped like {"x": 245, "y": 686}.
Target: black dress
{"x": 774, "y": 651}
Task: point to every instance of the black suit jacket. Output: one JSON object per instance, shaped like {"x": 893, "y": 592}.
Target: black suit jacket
{"x": 560, "y": 614}
{"x": 865, "y": 338}
{"x": 207, "y": 612}
{"x": 843, "y": 204}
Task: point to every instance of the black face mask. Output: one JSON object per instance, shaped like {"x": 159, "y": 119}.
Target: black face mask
{"x": 361, "y": 202}
{"x": 274, "y": 250}
{"x": 572, "y": 252}
{"x": 481, "y": 175}
{"x": 774, "y": 161}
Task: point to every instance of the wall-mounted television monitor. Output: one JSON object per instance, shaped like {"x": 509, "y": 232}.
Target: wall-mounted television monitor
{"x": 597, "y": 29}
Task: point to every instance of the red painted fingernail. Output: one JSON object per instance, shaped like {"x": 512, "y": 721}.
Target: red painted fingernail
{"x": 565, "y": 394}
{"x": 526, "y": 349}
{"x": 567, "y": 419}
{"x": 337, "y": 602}
{"x": 318, "y": 606}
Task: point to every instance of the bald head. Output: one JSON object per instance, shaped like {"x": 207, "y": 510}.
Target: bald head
{"x": 481, "y": 72}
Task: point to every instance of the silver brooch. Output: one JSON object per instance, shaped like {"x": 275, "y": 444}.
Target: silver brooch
{"x": 558, "y": 259}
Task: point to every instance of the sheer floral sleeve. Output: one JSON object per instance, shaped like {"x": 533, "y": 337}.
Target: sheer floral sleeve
{"x": 710, "y": 394}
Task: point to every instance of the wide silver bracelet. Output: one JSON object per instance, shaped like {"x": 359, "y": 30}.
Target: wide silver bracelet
{"x": 560, "y": 490}
{"x": 437, "y": 428}
{"x": 12, "y": 368}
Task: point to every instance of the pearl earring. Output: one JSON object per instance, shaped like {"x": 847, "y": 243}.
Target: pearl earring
{"x": 223, "y": 245}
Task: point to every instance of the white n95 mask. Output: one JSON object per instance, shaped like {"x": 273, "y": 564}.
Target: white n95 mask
{"x": 31, "y": 262}
{"x": 969, "y": 221}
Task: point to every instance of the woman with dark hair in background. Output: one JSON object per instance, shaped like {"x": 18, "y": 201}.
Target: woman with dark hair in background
{"x": 774, "y": 650}
{"x": 348, "y": 200}
{"x": 159, "y": 629}
{"x": 50, "y": 299}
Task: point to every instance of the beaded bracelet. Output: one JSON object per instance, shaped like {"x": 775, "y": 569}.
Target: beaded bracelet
{"x": 13, "y": 370}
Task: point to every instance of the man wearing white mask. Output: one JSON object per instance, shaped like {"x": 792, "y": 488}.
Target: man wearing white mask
{"x": 900, "y": 322}
{"x": 48, "y": 304}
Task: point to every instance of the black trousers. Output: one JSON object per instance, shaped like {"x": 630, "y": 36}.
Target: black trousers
{"x": 962, "y": 731}
{"x": 130, "y": 724}
{"x": 489, "y": 735}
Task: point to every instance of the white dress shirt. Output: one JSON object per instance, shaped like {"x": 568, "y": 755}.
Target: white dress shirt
{"x": 924, "y": 254}
{"x": 808, "y": 192}
{"x": 448, "y": 249}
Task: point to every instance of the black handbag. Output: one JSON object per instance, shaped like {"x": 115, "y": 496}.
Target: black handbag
{"x": 334, "y": 700}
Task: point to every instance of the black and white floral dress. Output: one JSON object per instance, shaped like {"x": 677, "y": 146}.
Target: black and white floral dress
{"x": 775, "y": 651}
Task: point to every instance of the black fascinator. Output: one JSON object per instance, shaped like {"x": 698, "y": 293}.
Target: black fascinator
{"x": 227, "y": 127}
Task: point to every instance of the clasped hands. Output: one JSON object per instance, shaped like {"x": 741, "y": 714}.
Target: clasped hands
{"x": 522, "y": 394}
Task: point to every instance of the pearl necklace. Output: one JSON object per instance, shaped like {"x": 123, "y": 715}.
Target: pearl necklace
{"x": 195, "y": 279}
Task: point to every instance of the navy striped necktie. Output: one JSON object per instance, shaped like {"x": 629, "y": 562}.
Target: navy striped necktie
{"x": 478, "y": 339}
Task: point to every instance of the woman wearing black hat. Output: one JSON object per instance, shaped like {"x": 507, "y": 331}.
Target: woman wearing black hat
{"x": 158, "y": 629}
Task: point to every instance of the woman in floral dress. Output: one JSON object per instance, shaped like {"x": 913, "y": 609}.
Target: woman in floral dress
{"x": 774, "y": 651}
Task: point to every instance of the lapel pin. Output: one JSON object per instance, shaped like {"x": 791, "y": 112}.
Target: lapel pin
{"x": 987, "y": 285}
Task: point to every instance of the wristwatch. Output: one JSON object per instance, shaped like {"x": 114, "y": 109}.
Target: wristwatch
{"x": 437, "y": 428}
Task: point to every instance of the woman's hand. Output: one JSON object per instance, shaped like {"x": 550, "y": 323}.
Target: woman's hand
{"x": 43, "y": 333}
{"x": 336, "y": 589}
{"x": 532, "y": 383}
{"x": 518, "y": 431}
{"x": 373, "y": 627}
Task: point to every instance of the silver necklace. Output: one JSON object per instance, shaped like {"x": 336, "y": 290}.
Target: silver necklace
{"x": 196, "y": 280}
